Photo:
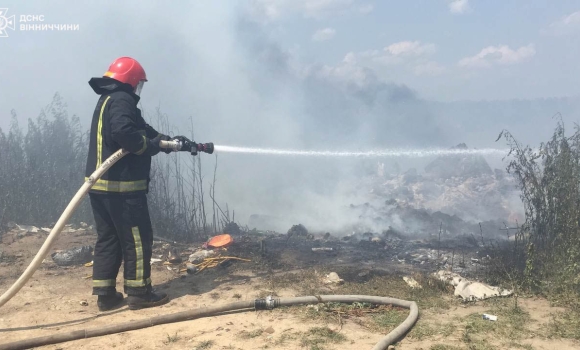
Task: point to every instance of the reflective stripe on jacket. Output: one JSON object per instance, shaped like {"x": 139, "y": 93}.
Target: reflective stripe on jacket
{"x": 117, "y": 123}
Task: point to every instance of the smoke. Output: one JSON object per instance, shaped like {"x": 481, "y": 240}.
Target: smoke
{"x": 218, "y": 64}
{"x": 311, "y": 106}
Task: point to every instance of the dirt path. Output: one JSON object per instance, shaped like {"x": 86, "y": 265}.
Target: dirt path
{"x": 51, "y": 303}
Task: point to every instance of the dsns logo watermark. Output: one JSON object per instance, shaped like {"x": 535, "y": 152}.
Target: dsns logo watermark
{"x": 6, "y": 23}
{"x": 30, "y": 23}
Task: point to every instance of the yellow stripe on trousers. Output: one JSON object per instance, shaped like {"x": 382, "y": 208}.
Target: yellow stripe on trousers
{"x": 104, "y": 283}
{"x": 100, "y": 135}
{"x": 138, "y": 254}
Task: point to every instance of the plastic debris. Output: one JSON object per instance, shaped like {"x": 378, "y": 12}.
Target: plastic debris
{"x": 489, "y": 317}
{"x": 333, "y": 278}
{"x": 84, "y": 303}
{"x": 321, "y": 249}
{"x": 75, "y": 256}
{"x": 471, "y": 290}
{"x": 191, "y": 269}
{"x": 200, "y": 256}
{"x": 220, "y": 241}
{"x": 412, "y": 282}
{"x": 27, "y": 228}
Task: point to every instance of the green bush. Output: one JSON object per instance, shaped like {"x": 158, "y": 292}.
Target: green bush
{"x": 549, "y": 179}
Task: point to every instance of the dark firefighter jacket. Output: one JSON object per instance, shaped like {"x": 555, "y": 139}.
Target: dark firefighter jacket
{"x": 117, "y": 123}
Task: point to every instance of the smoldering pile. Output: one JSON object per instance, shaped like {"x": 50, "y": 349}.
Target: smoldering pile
{"x": 455, "y": 191}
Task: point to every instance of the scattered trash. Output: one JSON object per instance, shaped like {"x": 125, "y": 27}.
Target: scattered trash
{"x": 233, "y": 229}
{"x": 173, "y": 256}
{"x": 333, "y": 278}
{"x": 89, "y": 264}
{"x": 412, "y": 282}
{"x": 191, "y": 269}
{"x": 87, "y": 277}
{"x": 297, "y": 230}
{"x": 155, "y": 260}
{"x": 27, "y": 228}
{"x": 75, "y": 256}
{"x": 221, "y": 241}
{"x": 470, "y": 290}
{"x": 489, "y": 317}
{"x": 221, "y": 261}
{"x": 321, "y": 249}
{"x": 84, "y": 303}
{"x": 201, "y": 255}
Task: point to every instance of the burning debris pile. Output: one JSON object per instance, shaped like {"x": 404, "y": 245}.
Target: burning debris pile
{"x": 463, "y": 186}
{"x": 404, "y": 220}
{"x": 453, "y": 195}
{"x": 459, "y": 166}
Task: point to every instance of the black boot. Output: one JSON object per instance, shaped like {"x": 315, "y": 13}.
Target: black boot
{"x": 150, "y": 299}
{"x": 109, "y": 302}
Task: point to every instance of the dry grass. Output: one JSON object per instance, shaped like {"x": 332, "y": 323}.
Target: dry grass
{"x": 251, "y": 334}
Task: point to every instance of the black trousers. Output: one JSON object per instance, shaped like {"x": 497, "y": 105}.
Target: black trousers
{"x": 124, "y": 234}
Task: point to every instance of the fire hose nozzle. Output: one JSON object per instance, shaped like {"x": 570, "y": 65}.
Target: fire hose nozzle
{"x": 182, "y": 143}
{"x": 205, "y": 147}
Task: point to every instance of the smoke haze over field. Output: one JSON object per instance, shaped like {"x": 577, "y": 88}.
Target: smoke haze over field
{"x": 254, "y": 74}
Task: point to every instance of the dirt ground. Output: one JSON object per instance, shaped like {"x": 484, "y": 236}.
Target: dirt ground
{"x": 53, "y": 302}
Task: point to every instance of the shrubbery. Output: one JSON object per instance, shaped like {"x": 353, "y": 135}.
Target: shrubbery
{"x": 546, "y": 253}
{"x": 40, "y": 172}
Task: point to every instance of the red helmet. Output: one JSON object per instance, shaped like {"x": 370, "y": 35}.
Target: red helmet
{"x": 126, "y": 70}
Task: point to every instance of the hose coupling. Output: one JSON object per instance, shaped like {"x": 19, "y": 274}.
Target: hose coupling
{"x": 266, "y": 304}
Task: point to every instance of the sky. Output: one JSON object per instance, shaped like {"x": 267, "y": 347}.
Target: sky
{"x": 444, "y": 50}
{"x": 306, "y": 74}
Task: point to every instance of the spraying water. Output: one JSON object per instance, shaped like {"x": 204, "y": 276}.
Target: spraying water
{"x": 414, "y": 153}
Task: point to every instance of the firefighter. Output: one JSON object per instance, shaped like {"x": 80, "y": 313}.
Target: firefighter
{"x": 118, "y": 199}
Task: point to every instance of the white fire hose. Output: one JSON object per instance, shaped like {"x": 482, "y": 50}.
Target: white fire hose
{"x": 72, "y": 206}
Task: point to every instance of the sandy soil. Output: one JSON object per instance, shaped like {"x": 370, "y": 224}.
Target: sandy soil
{"x": 52, "y": 302}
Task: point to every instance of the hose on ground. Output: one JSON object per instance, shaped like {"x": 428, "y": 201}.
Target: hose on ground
{"x": 258, "y": 304}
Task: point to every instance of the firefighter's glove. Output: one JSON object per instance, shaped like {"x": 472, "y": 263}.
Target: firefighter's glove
{"x": 181, "y": 139}
{"x": 153, "y": 145}
{"x": 186, "y": 143}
